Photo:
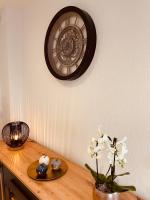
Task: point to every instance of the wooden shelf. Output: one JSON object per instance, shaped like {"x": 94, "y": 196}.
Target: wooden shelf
{"x": 76, "y": 184}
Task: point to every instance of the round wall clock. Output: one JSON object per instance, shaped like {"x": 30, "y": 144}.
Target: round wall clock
{"x": 70, "y": 43}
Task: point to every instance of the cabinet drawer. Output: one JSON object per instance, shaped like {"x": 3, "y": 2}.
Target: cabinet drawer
{"x": 15, "y": 193}
{"x": 14, "y": 189}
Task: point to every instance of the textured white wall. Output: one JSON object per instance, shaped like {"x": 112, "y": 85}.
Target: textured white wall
{"x": 11, "y": 51}
{"x": 4, "y": 80}
{"x": 14, "y": 23}
{"x": 114, "y": 92}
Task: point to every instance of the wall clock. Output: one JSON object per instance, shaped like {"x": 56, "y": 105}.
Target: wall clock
{"x": 70, "y": 43}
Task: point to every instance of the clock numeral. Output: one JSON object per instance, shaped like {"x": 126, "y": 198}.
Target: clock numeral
{"x": 54, "y": 53}
{"x": 59, "y": 51}
{"x": 85, "y": 41}
{"x": 76, "y": 65}
{"x": 83, "y": 27}
{"x": 60, "y": 29}
{"x": 68, "y": 70}
{"x": 67, "y": 22}
{"x": 55, "y": 38}
{"x": 60, "y": 68}
{"x": 76, "y": 20}
{"x": 56, "y": 59}
{"x": 82, "y": 55}
{"x": 53, "y": 50}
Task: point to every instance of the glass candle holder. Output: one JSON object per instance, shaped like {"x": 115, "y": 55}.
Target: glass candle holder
{"x": 15, "y": 134}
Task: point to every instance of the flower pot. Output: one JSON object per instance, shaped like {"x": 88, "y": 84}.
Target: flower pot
{"x": 98, "y": 195}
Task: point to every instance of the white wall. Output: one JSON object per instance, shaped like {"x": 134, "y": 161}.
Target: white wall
{"x": 114, "y": 91}
{"x": 4, "y": 80}
{"x": 11, "y": 51}
{"x": 14, "y": 21}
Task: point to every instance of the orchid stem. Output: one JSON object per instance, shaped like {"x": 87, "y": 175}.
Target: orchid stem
{"x": 114, "y": 162}
{"x": 97, "y": 162}
{"x": 108, "y": 170}
{"x": 97, "y": 167}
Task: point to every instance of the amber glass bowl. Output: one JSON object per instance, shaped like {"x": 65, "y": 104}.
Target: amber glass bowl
{"x": 15, "y": 134}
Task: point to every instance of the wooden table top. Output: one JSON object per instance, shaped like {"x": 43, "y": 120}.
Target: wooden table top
{"x": 76, "y": 184}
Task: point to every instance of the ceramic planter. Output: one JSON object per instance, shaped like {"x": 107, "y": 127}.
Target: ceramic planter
{"x": 98, "y": 195}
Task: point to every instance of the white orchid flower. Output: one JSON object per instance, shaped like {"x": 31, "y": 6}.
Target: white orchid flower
{"x": 112, "y": 150}
{"x": 103, "y": 139}
{"x": 122, "y": 162}
{"x": 94, "y": 150}
{"x": 121, "y": 146}
{"x": 93, "y": 140}
{"x": 97, "y": 146}
{"x": 100, "y": 131}
{"x": 119, "y": 151}
{"x": 110, "y": 157}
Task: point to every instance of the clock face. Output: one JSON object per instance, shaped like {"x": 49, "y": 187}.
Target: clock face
{"x": 70, "y": 43}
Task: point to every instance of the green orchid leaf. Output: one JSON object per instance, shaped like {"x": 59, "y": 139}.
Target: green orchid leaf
{"x": 99, "y": 178}
{"x": 123, "y": 174}
{"x": 118, "y": 188}
{"x": 109, "y": 179}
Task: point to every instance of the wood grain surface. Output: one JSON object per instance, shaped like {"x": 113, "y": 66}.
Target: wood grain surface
{"x": 76, "y": 184}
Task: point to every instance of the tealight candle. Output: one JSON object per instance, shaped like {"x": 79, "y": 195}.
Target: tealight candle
{"x": 16, "y": 137}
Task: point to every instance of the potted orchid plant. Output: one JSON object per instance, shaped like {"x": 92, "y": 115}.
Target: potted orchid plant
{"x": 115, "y": 150}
